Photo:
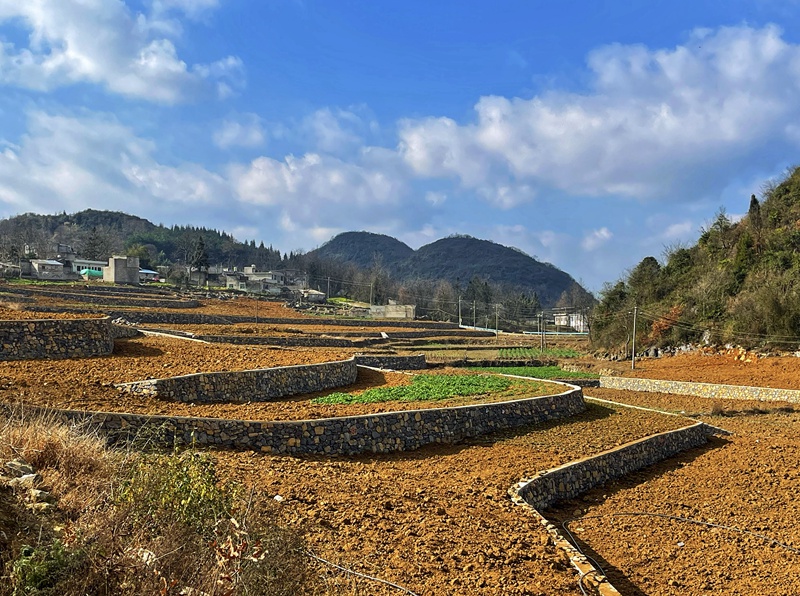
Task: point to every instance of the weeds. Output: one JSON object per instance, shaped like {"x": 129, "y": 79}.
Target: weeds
{"x": 155, "y": 523}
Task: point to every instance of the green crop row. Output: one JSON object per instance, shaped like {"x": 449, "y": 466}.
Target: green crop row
{"x": 539, "y": 372}
{"x": 519, "y": 353}
{"x": 430, "y": 388}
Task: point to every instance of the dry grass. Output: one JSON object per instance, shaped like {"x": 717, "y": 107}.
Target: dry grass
{"x": 72, "y": 459}
{"x": 134, "y": 523}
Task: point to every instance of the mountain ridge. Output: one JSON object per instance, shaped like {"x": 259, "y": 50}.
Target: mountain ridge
{"x": 457, "y": 259}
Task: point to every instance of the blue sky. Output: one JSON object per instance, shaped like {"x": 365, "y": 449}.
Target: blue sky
{"x": 590, "y": 134}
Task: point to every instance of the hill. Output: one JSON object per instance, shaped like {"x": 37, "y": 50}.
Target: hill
{"x": 458, "y": 260}
{"x": 360, "y": 265}
{"x": 740, "y": 283}
{"x": 362, "y": 248}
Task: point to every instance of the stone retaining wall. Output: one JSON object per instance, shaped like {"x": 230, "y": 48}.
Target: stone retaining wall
{"x": 292, "y": 341}
{"x": 416, "y": 362}
{"x": 264, "y": 384}
{"x": 106, "y": 294}
{"x": 578, "y": 477}
{"x": 183, "y": 318}
{"x": 378, "y": 433}
{"x": 55, "y": 338}
{"x": 701, "y": 389}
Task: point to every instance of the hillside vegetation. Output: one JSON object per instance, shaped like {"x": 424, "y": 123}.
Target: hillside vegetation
{"x": 477, "y": 270}
{"x": 493, "y": 282}
{"x": 739, "y": 284}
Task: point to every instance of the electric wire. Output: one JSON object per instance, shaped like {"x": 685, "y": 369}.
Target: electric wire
{"x": 363, "y": 575}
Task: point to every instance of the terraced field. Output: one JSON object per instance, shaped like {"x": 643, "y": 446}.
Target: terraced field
{"x": 439, "y": 521}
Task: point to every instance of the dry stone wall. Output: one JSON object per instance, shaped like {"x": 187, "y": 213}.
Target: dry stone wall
{"x": 293, "y": 341}
{"x": 250, "y": 385}
{"x": 416, "y": 362}
{"x": 110, "y": 298}
{"x": 378, "y": 433}
{"x": 55, "y": 338}
{"x": 701, "y": 389}
{"x": 578, "y": 477}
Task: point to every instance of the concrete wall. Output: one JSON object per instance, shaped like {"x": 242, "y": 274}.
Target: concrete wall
{"x": 122, "y": 270}
{"x": 578, "y": 477}
{"x": 393, "y": 311}
{"x": 701, "y": 389}
{"x": 55, "y": 338}
{"x": 378, "y": 433}
{"x": 250, "y": 385}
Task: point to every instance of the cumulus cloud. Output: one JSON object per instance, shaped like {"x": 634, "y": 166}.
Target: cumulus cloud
{"x": 192, "y": 8}
{"x": 68, "y": 162}
{"x": 335, "y": 130}
{"x": 654, "y": 124}
{"x": 315, "y": 179}
{"x": 596, "y": 238}
{"x": 246, "y": 130}
{"x": 103, "y": 42}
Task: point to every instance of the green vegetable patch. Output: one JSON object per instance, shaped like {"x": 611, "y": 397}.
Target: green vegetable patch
{"x": 540, "y": 372}
{"x": 441, "y": 387}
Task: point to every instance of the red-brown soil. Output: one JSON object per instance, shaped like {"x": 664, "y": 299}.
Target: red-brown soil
{"x": 439, "y": 521}
{"x": 731, "y": 367}
{"x": 88, "y": 383}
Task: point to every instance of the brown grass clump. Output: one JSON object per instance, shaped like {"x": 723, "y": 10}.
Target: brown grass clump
{"x": 133, "y": 523}
{"x": 72, "y": 459}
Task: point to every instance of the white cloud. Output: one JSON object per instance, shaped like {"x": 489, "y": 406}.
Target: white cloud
{"x": 656, "y": 124}
{"x": 679, "y": 230}
{"x": 334, "y": 131}
{"x": 596, "y": 239}
{"x": 68, "y": 162}
{"x": 102, "y": 42}
{"x": 318, "y": 191}
{"x": 435, "y": 198}
{"x": 246, "y": 130}
{"x": 192, "y": 8}
{"x": 315, "y": 180}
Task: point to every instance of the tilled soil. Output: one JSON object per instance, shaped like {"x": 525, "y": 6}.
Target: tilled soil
{"x": 88, "y": 383}
{"x": 732, "y": 367}
{"x": 717, "y": 520}
{"x": 439, "y": 521}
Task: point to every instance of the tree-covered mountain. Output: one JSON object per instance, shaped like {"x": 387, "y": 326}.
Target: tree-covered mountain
{"x": 98, "y": 235}
{"x": 364, "y": 248}
{"x": 740, "y": 283}
{"x": 458, "y": 260}
{"x": 491, "y": 278}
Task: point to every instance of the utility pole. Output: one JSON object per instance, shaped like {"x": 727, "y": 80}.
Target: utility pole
{"x": 496, "y": 323}
{"x": 328, "y": 294}
{"x": 256, "y": 310}
{"x": 370, "y": 294}
{"x": 473, "y": 314}
{"x": 633, "y": 343}
{"x": 459, "y": 311}
{"x": 541, "y": 332}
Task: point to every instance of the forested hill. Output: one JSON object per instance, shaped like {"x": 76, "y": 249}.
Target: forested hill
{"x": 99, "y": 234}
{"x": 740, "y": 283}
{"x": 363, "y": 248}
{"x": 458, "y": 260}
{"x": 360, "y": 265}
